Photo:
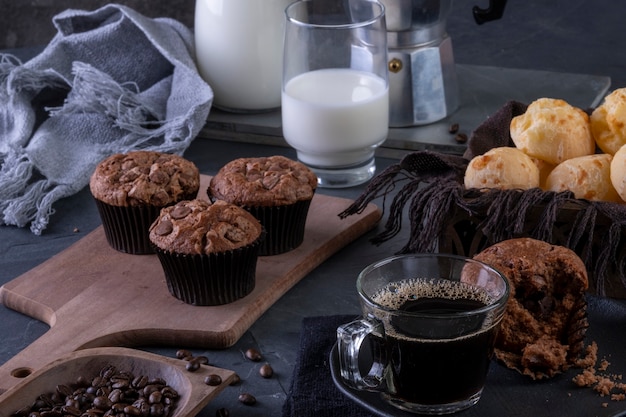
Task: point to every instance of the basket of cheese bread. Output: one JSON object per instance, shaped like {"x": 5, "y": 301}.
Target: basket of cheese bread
{"x": 547, "y": 170}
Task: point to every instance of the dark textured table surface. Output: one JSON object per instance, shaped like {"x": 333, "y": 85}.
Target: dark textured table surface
{"x": 579, "y": 36}
{"x": 327, "y": 290}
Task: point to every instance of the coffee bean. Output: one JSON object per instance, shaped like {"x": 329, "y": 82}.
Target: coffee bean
{"x": 213, "y": 380}
{"x": 236, "y": 380}
{"x": 454, "y": 127}
{"x": 139, "y": 382}
{"x": 203, "y": 360}
{"x": 118, "y": 407}
{"x": 155, "y": 397}
{"x": 169, "y": 392}
{"x": 247, "y": 399}
{"x": 64, "y": 390}
{"x": 102, "y": 403}
{"x": 111, "y": 393}
{"x": 253, "y": 354}
{"x": 192, "y": 366}
{"x": 222, "y": 412}
{"x": 149, "y": 389}
{"x": 131, "y": 410}
{"x": 108, "y": 371}
{"x": 116, "y": 396}
{"x": 266, "y": 371}
{"x": 81, "y": 381}
{"x": 71, "y": 411}
{"x": 183, "y": 353}
{"x": 157, "y": 410}
{"x": 460, "y": 137}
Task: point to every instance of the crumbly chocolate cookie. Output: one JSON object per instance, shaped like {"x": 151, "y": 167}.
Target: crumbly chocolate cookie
{"x": 264, "y": 181}
{"x": 543, "y": 329}
{"x": 144, "y": 178}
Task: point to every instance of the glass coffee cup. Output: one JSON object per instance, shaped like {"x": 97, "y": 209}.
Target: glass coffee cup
{"x": 427, "y": 332}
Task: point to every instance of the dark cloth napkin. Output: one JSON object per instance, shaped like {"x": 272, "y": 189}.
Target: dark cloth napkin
{"x": 313, "y": 392}
{"x": 429, "y": 188}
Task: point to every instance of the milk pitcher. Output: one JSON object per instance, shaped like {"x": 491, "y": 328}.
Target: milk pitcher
{"x": 239, "y": 48}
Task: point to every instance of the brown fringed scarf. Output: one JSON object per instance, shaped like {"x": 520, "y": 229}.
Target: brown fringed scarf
{"x": 432, "y": 186}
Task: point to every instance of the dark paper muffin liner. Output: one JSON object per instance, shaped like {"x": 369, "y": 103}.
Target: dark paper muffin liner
{"x": 213, "y": 279}
{"x": 127, "y": 228}
{"x": 284, "y": 226}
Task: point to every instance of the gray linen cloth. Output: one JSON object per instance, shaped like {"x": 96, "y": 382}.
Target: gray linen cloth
{"x": 110, "y": 81}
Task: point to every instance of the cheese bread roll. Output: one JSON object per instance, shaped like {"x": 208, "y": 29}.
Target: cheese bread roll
{"x": 588, "y": 177}
{"x": 618, "y": 172}
{"x": 553, "y": 131}
{"x": 608, "y": 122}
{"x": 503, "y": 168}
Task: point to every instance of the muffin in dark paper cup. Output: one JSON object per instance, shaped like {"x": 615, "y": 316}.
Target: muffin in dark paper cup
{"x": 130, "y": 190}
{"x": 276, "y": 190}
{"x": 284, "y": 225}
{"x": 208, "y": 251}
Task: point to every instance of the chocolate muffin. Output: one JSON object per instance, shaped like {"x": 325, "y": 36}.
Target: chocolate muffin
{"x": 130, "y": 189}
{"x": 208, "y": 251}
{"x": 543, "y": 329}
{"x": 276, "y": 190}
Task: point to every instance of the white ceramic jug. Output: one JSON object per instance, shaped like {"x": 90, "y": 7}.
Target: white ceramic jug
{"x": 239, "y": 49}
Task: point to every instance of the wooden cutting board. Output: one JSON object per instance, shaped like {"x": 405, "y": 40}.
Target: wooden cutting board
{"x": 93, "y": 296}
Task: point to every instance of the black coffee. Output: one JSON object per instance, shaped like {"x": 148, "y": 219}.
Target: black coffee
{"x": 437, "y": 361}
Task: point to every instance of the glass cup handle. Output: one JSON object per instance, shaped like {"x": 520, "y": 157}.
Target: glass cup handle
{"x": 350, "y": 337}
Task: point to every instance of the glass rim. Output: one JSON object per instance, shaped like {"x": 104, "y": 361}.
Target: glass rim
{"x": 352, "y": 25}
{"x": 500, "y": 302}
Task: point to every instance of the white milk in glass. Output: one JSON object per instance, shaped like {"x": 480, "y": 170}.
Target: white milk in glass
{"x": 335, "y": 117}
{"x": 239, "y": 50}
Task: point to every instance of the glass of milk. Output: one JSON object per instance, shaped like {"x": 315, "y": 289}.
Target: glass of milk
{"x": 239, "y": 52}
{"x": 335, "y": 94}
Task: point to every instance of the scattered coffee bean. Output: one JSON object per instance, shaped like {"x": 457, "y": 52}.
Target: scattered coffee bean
{"x": 192, "y": 366}
{"x": 213, "y": 380}
{"x": 460, "y": 137}
{"x": 253, "y": 354}
{"x": 222, "y": 412}
{"x": 183, "y": 353}
{"x": 247, "y": 399}
{"x": 236, "y": 380}
{"x": 202, "y": 360}
{"x": 454, "y": 127}
{"x": 266, "y": 371}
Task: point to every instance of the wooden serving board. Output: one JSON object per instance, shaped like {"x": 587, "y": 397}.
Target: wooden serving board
{"x": 94, "y": 296}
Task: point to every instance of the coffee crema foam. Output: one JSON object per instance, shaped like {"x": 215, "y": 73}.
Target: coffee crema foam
{"x": 396, "y": 294}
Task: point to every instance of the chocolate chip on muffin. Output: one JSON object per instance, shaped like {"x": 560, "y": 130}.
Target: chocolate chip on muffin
{"x": 208, "y": 251}
{"x": 130, "y": 189}
{"x": 276, "y": 190}
{"x": 144, "y": 177}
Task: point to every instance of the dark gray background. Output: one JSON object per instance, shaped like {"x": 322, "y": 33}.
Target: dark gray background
{"x": 578, "y": 36}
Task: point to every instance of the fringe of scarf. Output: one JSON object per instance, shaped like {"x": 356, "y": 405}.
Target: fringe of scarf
{"x": 25, "y": 196}
{"x": 431, "y": 200}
